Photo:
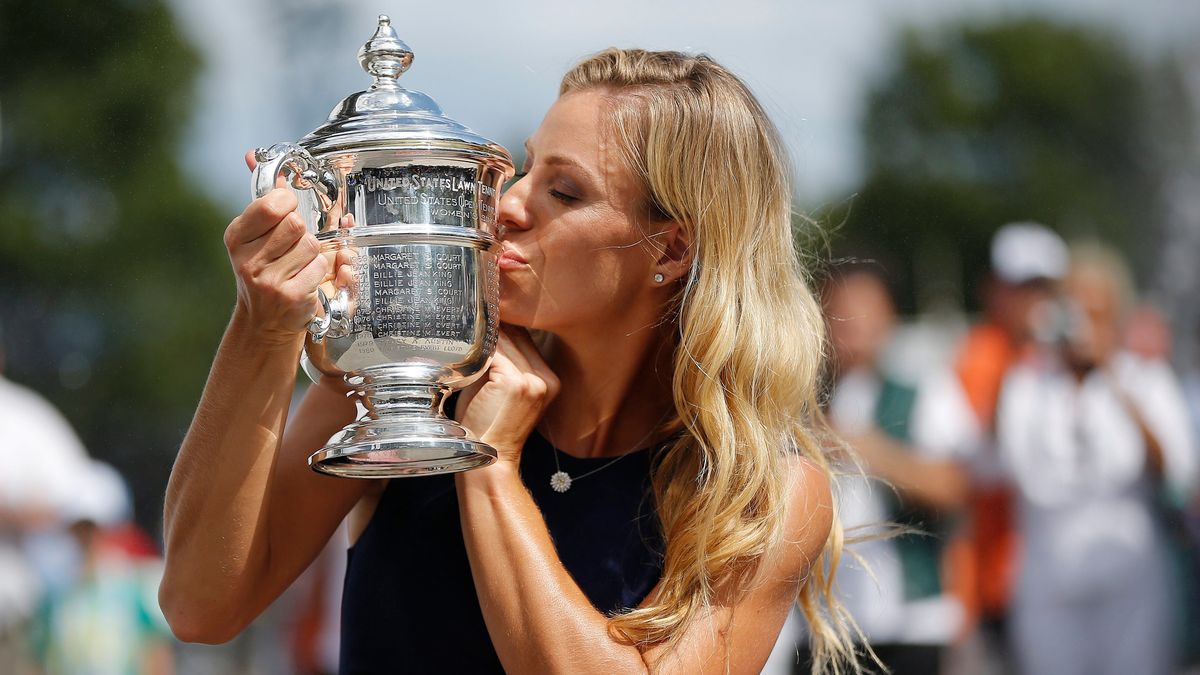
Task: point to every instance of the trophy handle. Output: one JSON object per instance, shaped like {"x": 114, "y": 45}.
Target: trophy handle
{"x": 335, "y": 320}
{"x": 307, "y": 173}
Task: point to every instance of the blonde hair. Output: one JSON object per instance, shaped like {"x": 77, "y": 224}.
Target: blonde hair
{"x": 1099, "y": 261}
{"x": 750, "y": 338}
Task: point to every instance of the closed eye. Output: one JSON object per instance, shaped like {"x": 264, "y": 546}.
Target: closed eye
{"x": 562, "y": 196}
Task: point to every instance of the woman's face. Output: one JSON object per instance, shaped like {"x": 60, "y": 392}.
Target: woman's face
{"x": 574, "y": 252}
{"x": 1097, "y": 337}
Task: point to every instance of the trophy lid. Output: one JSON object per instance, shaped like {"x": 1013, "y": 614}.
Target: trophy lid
{"x": 387, "y": 115}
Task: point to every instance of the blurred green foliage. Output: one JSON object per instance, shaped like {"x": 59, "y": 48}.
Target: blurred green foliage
{"x": 976, "y": 126}
{"x": 115, "y": 281}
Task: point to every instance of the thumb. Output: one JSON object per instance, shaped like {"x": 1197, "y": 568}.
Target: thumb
{"x": 251, "y": 163}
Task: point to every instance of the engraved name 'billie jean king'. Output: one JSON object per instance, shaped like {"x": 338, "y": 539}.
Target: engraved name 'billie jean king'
{"x": 413, "y": 196}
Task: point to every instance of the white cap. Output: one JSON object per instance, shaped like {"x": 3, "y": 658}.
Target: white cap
{"x": 1028, "y": 251}
{"x": 100, "y": 495}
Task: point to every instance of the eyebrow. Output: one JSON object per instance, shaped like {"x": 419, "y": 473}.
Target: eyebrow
{"x": 560, "y": 160}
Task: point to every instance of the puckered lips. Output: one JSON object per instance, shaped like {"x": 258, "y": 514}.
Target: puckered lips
{"x": 510, "y": 259}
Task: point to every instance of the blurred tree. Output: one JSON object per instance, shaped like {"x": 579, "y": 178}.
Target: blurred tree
{"x": 976, "y": 126}
{"x": 115, "y": 285}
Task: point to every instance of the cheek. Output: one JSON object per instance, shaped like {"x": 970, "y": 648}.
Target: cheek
{"x": 584, "y": 266}
{"x": 588, "y": 262}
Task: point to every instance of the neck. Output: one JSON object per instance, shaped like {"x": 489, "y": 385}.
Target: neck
{"x": 615, "y": 389}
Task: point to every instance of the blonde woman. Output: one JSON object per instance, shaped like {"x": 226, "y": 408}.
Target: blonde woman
{"x": 648, "y": 240}
{"x": 1096, "y": 440}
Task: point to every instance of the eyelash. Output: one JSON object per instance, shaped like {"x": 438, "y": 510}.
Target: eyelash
{"x": 564, "y": 198}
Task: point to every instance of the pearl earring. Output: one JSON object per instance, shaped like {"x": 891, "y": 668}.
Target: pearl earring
{"x": 658, "y": 278}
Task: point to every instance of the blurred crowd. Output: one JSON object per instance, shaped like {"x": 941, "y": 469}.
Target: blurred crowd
{"x": 1025, "y": 501}
{"x": 79, "y": 579}
{"x": 1020, "y": 501}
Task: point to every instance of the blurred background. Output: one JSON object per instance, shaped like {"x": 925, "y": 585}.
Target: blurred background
{"x": 917, "y": 129}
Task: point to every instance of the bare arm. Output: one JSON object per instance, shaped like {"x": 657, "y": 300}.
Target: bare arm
{"x": 935, "y": 483}
{"x": 244, "y": 515}
{"x": 538, "y": 618}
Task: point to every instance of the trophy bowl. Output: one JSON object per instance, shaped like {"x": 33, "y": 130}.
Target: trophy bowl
{"x": 412, "y": 195}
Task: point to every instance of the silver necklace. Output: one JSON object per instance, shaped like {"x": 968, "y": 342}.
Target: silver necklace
{"x": 560, "y": 481}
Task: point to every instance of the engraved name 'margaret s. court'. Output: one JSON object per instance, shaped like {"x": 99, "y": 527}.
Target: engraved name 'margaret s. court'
{"x": 421, "y": 291}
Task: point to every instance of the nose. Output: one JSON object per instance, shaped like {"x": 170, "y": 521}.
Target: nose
{"x": 512, "y": 213}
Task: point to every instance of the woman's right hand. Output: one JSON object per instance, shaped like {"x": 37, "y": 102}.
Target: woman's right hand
{"x": 278, "y": 265}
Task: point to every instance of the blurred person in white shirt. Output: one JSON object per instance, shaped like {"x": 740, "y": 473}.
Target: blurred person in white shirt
{"x": 913, "y": 442}
{"x": 1096, "y": 439}
{"x": 39, "y": 452}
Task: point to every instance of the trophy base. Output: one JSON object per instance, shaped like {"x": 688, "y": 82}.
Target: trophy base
{"x": 382, "y": 448}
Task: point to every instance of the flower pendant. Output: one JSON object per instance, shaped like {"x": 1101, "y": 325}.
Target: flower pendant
{"x": 560, "y": 481}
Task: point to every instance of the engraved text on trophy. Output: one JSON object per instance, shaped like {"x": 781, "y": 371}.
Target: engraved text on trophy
{"x": 422, "y": 294}
{"x": 422, "y": 195}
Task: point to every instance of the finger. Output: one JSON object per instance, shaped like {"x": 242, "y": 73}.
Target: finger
{"x": 251, "y": 163}
{"x": 282, "y": 238}
{"x": 344, "y": 270}
{"x": 346, "y": 257}
{"x": 499, "y": 368}
{"x": 523, "y": 341}
{"x": 260, "y": 216}
{"x": 506, "y": 348}
{"x": 297, "y": 258}
{"x": 310, "y": 276}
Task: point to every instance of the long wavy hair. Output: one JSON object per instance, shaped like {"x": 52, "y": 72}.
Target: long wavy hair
{"x": 750, "y": 338}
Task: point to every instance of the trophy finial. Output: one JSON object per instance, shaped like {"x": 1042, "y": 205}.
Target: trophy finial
{"x": 385, "y": 56}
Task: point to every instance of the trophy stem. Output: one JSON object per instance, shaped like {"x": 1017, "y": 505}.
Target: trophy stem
{"x": 405, "y": 399}
{"x": 404, "y": 433}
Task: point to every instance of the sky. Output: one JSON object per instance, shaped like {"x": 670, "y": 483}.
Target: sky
{"x": 275, "y": 68}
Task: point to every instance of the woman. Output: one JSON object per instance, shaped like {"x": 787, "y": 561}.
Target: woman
{"x": 1096, "y": 439}
{"x": 649, "y": 239}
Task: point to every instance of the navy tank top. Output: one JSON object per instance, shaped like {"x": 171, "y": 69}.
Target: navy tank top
{"x": 409, "y": 602}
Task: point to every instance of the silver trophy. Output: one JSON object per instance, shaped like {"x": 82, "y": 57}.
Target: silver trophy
{"x": 413, "y": 194}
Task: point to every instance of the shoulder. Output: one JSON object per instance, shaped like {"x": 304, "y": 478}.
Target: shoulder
{"x": 1151, "y": 384}
{"x": 1139, "y": 371}
{"x": 808, "y": 519}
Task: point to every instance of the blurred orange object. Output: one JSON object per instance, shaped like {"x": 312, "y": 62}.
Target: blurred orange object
{"x": 986, "y": 356}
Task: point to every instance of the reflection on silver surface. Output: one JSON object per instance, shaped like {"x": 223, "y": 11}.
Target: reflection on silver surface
{"x": 412, "y": 195}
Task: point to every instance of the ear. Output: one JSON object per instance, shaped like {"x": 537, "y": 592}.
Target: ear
{"x": 673, "y": 242}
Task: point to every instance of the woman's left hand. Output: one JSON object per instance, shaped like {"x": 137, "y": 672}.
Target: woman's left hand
{"x": 504, "y": 405}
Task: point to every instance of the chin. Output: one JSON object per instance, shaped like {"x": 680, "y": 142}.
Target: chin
{"x": 515, "y": 312}
{"x": 520, "y": 305}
